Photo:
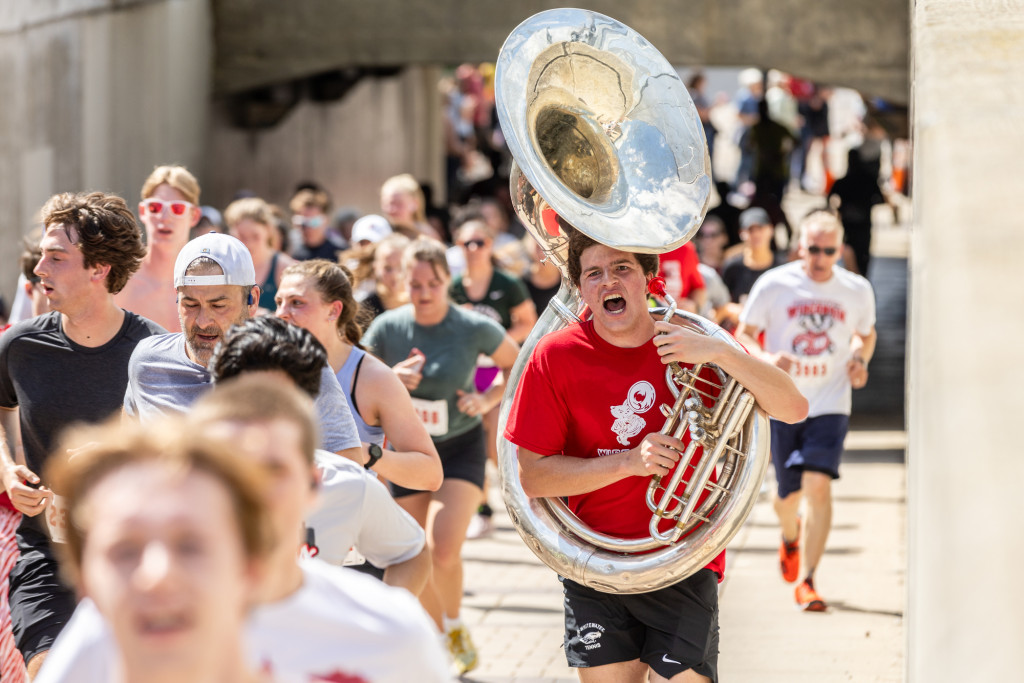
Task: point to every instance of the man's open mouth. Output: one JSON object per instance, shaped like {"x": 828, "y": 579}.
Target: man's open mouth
{"x": 613, "y": 303}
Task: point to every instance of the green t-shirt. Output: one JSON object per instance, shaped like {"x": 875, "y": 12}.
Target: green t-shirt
{"x": 451, "y": 348}
{"x": 503, "y": 294}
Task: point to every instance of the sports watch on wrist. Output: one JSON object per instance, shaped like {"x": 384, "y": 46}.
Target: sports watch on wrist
{"x": 375, "y": 454}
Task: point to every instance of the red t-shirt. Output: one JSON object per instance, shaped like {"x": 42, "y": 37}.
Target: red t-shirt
{"x": 679, "y": 268}
{"x": 583, "y": 397}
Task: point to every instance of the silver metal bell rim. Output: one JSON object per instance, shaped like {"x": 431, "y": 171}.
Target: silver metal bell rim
{"x": 616, "y": 95}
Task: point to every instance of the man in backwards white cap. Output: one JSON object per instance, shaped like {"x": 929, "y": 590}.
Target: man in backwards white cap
{"x": 215, "y": 280}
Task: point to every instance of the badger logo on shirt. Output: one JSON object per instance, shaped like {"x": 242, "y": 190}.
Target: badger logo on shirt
{"x": 814, "y": 340}
{"x": 628, "y": 422}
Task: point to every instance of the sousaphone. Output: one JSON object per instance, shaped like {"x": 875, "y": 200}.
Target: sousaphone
{"x": 604, "y": 134}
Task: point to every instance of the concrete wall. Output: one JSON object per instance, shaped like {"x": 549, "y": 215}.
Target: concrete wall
{"x": 965, "y": 467}
{"x": 382, "y": 127}
{"x": 96, "y": 93}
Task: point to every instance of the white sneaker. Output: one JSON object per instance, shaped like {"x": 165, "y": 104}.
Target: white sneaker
{"x": 480, "y": 526}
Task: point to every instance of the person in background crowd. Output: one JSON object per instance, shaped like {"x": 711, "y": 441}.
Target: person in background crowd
{"x": 252, "y": 222}
{"x": 402, "y": 202}
{"x": 433, "y": 346}
{"x": 818, "y": 322}
{"x": 503, "y": 298}
{"x": 169, "y": 534}
{"x": 366, "y": 233}
{"x": 711, "y": 242}
{"x": 771, "y": 144}
{"x": 310, "y": 209}
{"x": 487, "y": 289}
{"x": 542, "y": 277}
{"x": 740, "y": 271}
{"x": 727, "y": 212}
{"x": 857, "y": 192}
{"x": 342, "y": 222}
{"x": 496, "y": 215}
{"x": 169, "y": 210}
{"x": 210, "y": 220}
{"x": 317, "y": 296}
{"x": 63, "y": 367}
{"x": 695, "y": 86}
{"x": 814, "y": 135}
{"x": 387, "y": 285}
{"x": 683, "y": 281}
{"x": 313, "y": 622}
{"x": 750, "y": 92}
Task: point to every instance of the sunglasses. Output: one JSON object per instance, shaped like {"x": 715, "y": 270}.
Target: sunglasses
{"x": 710, "y": 234}
{"x": 815, "y": 250}
{"x": 312, "y": 222}
{"x": 477, "y": 244}
{"x": 156, "y": 206}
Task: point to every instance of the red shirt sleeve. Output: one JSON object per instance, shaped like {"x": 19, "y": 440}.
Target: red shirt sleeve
{"x": 539, "y": 417}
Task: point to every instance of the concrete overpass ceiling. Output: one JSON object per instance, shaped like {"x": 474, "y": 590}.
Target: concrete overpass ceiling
{"x": 861, "y": 44}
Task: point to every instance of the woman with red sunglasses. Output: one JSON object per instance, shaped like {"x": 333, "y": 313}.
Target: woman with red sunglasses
{"x": 169, "y": 209}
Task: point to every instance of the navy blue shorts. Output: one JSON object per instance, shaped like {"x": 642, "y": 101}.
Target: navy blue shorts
{"x": 671, "y": 630}
{"x": 816, "y": 444}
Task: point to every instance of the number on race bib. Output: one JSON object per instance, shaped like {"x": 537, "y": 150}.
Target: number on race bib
{"x": 433, "y": 414}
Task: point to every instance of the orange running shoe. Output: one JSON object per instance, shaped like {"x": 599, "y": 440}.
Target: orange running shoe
{"x": 808, "y": 599}
{"x": 789, "y": 557}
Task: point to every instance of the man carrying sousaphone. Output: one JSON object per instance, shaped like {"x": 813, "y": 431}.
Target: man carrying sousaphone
{"x": 611, "y": 167}
{"x": 586, "y": 422}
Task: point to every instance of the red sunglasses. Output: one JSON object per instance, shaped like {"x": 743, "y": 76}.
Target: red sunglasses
{"x": 156, "y": 206}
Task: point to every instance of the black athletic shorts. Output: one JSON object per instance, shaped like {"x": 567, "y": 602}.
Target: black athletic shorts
{"x": 671, "y": 630}
{"x": 41, "y": 604}
{"x": 462, "y": 457}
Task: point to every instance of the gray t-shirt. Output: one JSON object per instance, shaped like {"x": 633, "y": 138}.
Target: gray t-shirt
{"x": 163, "y": 379}
{"x": 451, "y": 348}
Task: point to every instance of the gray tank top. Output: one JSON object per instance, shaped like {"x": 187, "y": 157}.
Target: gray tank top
{"x": 347, "y": 376}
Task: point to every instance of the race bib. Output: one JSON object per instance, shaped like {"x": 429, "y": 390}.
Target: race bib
{"x": 57, "y": 519}
{"x": 433, "y": 414}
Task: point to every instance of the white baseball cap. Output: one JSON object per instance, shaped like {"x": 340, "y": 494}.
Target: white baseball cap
{"x": 226, "y": 251}
{"x": 371, "y": 228}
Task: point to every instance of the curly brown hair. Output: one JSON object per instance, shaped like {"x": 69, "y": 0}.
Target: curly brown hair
{"x": 578, "y": 243}
{"x": 103, "y": 229}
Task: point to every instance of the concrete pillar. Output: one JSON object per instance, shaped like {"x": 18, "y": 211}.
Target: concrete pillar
{"x": 96, "y": 93}
{"x": 965, "y": 466}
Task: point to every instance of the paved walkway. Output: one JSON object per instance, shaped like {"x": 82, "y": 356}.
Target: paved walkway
{"x": 513, "y": 604}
